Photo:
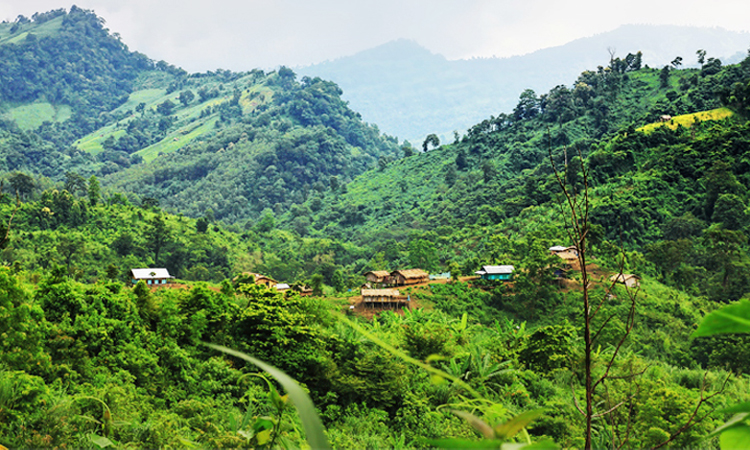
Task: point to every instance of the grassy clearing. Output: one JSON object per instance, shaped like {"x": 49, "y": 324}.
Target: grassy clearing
{"x": 92, "y": 143}
{"x": 687, "y": 120}
{"x": 30, "y": 117}
{"x": 176, "y": 140}
{"x": 48, "y": 28}
{"x": 148, "y": 96}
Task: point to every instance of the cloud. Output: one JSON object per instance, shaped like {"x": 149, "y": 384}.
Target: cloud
{"x": 241, "y": 35}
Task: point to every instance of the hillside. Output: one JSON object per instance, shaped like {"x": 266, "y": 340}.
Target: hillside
{"x": 232, "y": 143}
{"x": 222, "y": 175}
{"x": 410, "y": 92}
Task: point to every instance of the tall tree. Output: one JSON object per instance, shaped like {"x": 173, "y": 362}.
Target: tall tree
{"x": 157, "y": 236}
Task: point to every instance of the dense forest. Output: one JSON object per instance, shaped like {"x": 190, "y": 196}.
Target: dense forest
{"x": 124, "y": 163}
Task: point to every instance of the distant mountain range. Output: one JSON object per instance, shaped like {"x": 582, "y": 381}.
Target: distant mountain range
{"x": 410, "y": 92}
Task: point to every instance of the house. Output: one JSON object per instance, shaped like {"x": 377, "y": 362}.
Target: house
{"x": 566, "y": 253}
{"x": 377, "y": 276}
{"x": 151, "y": 276}
{"x": 627, "y": 279}
{"x": 258, "y": 278}
{"x": 409, "y": 276}
{"x": 384, "y": 298}
{"x": 502, "y": 273}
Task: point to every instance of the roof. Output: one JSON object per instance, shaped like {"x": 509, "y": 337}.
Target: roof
{"x": 411, "y": 273}
{"x": 567, "y": 254}
{"x": 623, "y": 277}
{"x": 558, "y": 248}
{"x": 379, "y": 273}
{"x": 495, "y": 270}
{"x": 380, "y": 293}
{"x": 281, "y": 286}
{"x": 150, "y": 274}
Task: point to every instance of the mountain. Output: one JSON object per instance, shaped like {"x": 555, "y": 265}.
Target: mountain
{"x": 410, "y": 92}
{"x": 74, "y": 99}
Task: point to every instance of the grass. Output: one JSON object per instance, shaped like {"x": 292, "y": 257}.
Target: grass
{"x": 48, "y": 28}
{"x": 176, "y": 140}
{"x": 92, "y": 143}
{"x": 31, "y": 116}
{"x": 687, "y": 120}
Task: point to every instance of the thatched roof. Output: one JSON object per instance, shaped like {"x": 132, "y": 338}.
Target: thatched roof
{"x": 411, "y": 273}
{"x": 380, "y": 293}
{"x": 379, "y": 273}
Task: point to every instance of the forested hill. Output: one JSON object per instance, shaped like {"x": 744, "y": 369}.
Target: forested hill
{"x": 74, "y": 99}
{"x": 410, "y": 92}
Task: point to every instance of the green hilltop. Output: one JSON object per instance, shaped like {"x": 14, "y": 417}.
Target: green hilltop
{"x": 113, "y": 162}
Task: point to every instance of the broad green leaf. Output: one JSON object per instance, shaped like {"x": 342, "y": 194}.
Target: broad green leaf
{"x": 729, "y": 319}
{"x": 464, "y": 443}
{"x": 464, "y": 321}
{"x": 477, "y": 423}
{"x": 738, "y": 420}
{"x": 739, "y": 408}
{"x": 311, "y": 423}
{"x": 516, "y": 424}
{"x": 263, "y": 423}
{"x": 263, "y": 437}
{"x": 737, "y": 438}
{"x": 100, "y": 441}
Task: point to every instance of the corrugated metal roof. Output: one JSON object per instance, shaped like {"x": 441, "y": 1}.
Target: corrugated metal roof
{"x": 150, "y": 274}
{"x": 497, "y": 269}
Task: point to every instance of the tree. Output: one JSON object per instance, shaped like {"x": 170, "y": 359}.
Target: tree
{"x": 575, "y": 210}
{"x": 75, "y": 183}
{"x": 677, "y": 62}
{"x": 166, "y": 107}
{"x": 461, "y": 161}
{"x": 157, "y": 236}
{"x": 316, "y": 283}
{"x": 407, "y": 149}
{"x": 94, "y": 190}
{"x": 664, "y": 76}
{"x": 488, "y": 171}
{"x": 186, "y": 97}
{"x": 432, "y": 140}
{"x": 701, "y": 56}
{"x": 201, "y": 225}
{"x": 21, "y": 183}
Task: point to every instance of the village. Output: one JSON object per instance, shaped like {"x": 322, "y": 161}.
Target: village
{"x": 382, "y": 289}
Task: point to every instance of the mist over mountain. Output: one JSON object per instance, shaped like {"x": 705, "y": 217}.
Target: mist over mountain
{"x": 410, "y": 92}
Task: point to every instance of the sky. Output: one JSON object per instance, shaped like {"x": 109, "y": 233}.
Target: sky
{"x": 240, "y": 35}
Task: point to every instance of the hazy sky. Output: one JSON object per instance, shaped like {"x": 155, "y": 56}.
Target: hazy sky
{"x": 245, "y": 34}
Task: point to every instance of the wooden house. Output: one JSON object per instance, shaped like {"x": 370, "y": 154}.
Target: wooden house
{"x": 384, "y": 298}
{"x": 502, "y": 273}
{"x": 151, "y": 276}
{"x": 627, "y": 279}
{"x": 377, "y": 276}
{"x": 408, "y": 277}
